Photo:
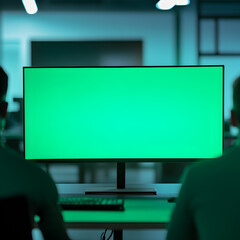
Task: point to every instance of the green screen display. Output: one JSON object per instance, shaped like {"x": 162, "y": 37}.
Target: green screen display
{"x": 123, "y": 113}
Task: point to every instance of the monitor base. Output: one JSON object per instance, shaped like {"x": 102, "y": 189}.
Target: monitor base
{"x": 118, "y": 191}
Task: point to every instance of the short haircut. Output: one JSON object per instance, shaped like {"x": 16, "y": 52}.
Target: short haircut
{"x": 3, "y": 83}
{"x": 236, "y": 97}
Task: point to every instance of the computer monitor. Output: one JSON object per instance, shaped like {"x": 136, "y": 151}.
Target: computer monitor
{"x": 123, "y": 114}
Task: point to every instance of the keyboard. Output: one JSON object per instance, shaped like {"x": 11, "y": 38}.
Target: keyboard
{"x": 91, "y": 203}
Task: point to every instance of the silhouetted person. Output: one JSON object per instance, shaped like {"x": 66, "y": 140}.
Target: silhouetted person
{"x": 18, "y": 177}
{"x": 208, "y": 205}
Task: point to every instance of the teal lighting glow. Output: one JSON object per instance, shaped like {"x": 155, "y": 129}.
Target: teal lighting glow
{"x": 169, "y": 4}
{"x": 30, "y": 6}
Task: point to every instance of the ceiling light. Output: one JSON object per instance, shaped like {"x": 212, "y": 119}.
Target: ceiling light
{"x": 165, "y": 4}
{"x": 169, "y": 4}
{"x": 30, "y": 6}
{"x": 182, "y": 2}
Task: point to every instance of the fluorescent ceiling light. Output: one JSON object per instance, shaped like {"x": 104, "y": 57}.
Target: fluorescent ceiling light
{"x": 182, "y": 2}
{"x": 165, "y": 4}
{"x": 169, "y": 4}
{"x": 30, "y": 6}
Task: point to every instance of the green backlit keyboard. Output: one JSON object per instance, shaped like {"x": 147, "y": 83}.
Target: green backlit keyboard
{"x": 91, "y": 203}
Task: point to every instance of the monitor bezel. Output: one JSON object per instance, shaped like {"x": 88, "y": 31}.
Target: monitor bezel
{"x": 119, "y": 160}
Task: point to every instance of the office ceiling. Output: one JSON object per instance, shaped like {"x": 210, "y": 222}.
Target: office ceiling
{"x": 208, "y": 7}
{"x": 83, "y": 5}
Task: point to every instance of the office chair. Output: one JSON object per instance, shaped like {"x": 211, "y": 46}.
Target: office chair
{"x": 15, "y": 218}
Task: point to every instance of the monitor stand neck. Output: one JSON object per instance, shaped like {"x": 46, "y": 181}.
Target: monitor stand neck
{"x": 121, "y": 175}
{"x": 121, "y": 189}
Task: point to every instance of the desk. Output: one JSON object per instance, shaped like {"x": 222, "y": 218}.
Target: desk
{"x": 140, "y": 212}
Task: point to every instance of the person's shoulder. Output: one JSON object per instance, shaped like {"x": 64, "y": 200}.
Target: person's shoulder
{"x": 42, "y": 181}
{"x": 216, "y": 166}
{"x": 10, "y": 157}
{"x": 232, "y": 153}
{"x": 10, "y": 154}
{"x": 40, "y": 174}
{"x": 34, "y": 176}
{"x": 204, "y": 168}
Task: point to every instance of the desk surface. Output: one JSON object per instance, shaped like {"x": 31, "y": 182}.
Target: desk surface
{"x": 139, "y": 212}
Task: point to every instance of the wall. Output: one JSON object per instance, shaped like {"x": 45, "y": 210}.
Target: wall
{"x": 157, "y": 30}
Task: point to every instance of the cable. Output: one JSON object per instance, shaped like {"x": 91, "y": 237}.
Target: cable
{"x": 103, "y": 235}
{"x": 110, "y": 235}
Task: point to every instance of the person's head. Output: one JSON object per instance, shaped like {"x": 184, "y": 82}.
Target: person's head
{"x": 235, "y": 112}
{"x": 3, "y": 92}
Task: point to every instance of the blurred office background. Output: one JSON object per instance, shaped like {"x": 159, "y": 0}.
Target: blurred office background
{"x": 116, "y": 33}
